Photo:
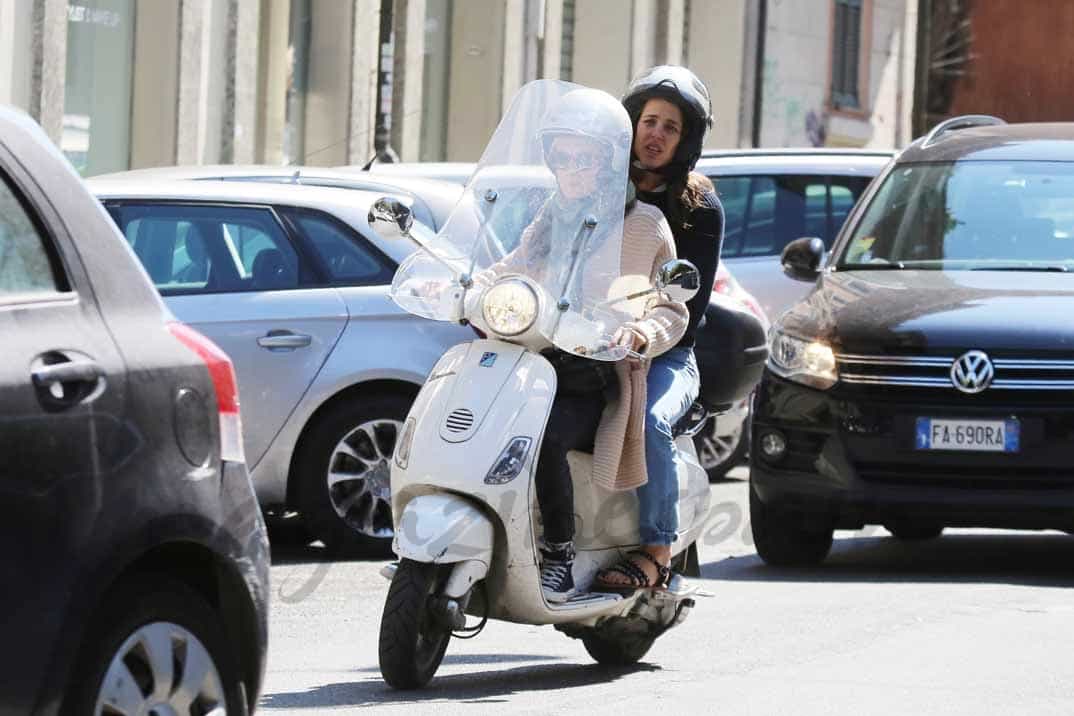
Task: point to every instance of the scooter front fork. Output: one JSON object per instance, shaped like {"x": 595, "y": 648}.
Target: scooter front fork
{"x": 448, "y": 607}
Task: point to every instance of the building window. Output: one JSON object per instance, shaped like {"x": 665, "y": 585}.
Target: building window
{"x": 97, "y": 95}
{"x": 436, "y": 80}
{"x": 846, "y": 50}
{"x": 566, "y": 47}
{"x": 298, "y": 66}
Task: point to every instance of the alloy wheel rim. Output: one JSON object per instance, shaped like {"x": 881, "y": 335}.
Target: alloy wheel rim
{"x": 161, "y": 669}
{"x": 714, "y": 450}
{"x": 359, "y": 477}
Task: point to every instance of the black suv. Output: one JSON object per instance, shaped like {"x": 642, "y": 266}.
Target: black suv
{"x": 925, "y": 381}
{"x": 135, "y": 562}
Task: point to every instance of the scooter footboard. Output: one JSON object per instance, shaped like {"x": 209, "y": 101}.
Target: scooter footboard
{"x": 443, "y": 529}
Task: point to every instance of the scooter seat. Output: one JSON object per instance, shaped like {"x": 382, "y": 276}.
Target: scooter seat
{"x": 691, "y": 423}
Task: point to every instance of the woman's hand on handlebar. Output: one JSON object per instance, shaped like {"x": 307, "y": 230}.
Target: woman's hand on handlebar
{"x": 628, "y": 338}
{"x": 631, "y": 340}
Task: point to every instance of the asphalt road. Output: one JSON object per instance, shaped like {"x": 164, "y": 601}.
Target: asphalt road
{"x": 975, "y": 622}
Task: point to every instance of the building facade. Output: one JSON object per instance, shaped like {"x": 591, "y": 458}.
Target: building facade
{"x": 134, "y": 83}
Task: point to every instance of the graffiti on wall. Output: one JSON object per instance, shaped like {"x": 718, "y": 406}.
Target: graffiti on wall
{"x": 789, "y": 118}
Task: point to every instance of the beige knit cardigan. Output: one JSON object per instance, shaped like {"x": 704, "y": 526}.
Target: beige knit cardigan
{"x": 619, "y": 447}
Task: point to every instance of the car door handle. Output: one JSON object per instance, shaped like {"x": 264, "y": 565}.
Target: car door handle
{"x": 71, "y": 372}
{"x": 67, "y": 383}
{"x": 284, "y": 339}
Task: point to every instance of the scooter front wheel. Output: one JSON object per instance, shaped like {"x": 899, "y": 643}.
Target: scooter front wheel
{"x": 412, "y": 640}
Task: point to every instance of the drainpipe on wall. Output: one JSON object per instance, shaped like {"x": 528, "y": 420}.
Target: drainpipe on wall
{"x": 758, "y": 70}
{"x": 382, "y": 136}
{"x": 921, "y": 68}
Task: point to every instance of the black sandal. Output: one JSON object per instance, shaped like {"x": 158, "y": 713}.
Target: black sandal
{"x": 637, "y": 576}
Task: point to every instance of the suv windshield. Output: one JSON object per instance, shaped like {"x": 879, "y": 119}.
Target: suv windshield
{"x": 983, "y": 215}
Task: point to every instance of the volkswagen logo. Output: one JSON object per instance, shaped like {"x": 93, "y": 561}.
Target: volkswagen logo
{"x": 972, "y": 372}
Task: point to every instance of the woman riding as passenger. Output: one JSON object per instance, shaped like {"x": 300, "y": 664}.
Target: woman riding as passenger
{"x": 670, "y": 111}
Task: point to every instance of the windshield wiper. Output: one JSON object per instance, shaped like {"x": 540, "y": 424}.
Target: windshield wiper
{"x": 1050, "y": 268}
{"x": 889, "y": 266}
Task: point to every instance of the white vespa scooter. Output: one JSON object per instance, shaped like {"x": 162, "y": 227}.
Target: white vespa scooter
{"x": 466, "y": 520}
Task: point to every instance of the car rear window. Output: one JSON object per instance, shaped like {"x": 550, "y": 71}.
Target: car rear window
{"x": 210, "y": 249}
{"x": 763, "y": 213}
{"x": 25, "y": 266}
{"x": 345, "y": 256}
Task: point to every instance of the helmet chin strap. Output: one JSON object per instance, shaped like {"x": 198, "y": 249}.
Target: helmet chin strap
{"x": 662, "y": 171}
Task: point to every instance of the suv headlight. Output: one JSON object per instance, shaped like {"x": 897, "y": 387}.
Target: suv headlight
{"x": 510, "y": 307}
{"x": 808, "y": 362}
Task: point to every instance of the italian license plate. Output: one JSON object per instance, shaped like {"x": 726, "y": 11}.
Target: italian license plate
{"x": 971, "y": 435}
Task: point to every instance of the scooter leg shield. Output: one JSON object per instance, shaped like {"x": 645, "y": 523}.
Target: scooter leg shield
{"x": 443, "y": 529}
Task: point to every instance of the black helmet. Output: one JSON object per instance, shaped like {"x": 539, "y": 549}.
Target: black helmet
{"x": 682, "y": 87}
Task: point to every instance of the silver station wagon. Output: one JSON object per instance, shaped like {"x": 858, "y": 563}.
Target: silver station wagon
{"x": 291, "y": 282}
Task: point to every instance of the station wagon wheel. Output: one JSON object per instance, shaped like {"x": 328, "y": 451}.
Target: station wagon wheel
{"x": 344, "y": 474}
{"x": 719, "y": 453}
{"x": 359, "y": 477}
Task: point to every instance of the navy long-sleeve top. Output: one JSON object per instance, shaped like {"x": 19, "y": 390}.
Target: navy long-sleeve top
{"x": 699, "y": 243}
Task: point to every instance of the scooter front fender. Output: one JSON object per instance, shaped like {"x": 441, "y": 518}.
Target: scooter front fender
{"x": 443, "y": 529}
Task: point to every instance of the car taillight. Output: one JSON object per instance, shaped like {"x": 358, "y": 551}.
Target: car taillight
{"x": 726, "y": 284}
{"x": 222, "y": 374}
{"x": 755, "y": 308}
{"x": 723, "y": 282}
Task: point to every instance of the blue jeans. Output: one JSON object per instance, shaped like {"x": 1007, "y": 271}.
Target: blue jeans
{"x": 672, "y": 387}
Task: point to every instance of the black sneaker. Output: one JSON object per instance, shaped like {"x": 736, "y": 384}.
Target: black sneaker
{"x": 557, "y": 581}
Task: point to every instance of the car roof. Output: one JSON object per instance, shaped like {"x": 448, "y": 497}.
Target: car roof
{"x": 454, "y": 172}
{"x": 349, "y": 205}
{"x": 1044, "y": 141}
{"x": 799, "y": 151}
{"x": 434, "y": 199}
{"x": 867, "y": 162}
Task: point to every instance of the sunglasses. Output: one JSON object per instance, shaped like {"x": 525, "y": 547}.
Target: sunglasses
{"x": 560, "y": 160}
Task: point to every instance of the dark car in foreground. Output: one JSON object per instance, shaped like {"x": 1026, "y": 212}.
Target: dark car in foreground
{"x": 925, "y": 381}
{"x": 135, "y": 559}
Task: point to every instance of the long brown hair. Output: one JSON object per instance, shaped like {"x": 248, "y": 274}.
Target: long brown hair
{"x": 685, "y": 193}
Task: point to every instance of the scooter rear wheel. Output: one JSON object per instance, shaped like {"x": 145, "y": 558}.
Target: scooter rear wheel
{"x": 617, "y": 651}
{"x": 412, "y": 641}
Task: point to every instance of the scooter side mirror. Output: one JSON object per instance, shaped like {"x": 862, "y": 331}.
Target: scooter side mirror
{"x": 390, "y": 218}
{"x": 679, "y": 279}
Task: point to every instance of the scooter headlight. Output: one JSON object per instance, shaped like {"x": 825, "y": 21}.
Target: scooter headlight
{"x": 510, "y": 307}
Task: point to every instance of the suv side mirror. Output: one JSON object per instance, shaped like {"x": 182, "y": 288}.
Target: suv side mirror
{"x": 390, "y": 218}
{"x": 679, "y": 279}
{"x": 801, "y": 258}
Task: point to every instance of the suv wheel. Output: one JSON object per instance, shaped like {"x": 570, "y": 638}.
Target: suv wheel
{"x": 719, "y": 453}
{"x": 156, "y": 647}
{"x": 344, "y": 474}
{"x": 914, "y": 531}
{"x": 782, "y": 540}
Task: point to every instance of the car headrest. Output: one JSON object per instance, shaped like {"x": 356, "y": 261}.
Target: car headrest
{"x": 271, "y": 270}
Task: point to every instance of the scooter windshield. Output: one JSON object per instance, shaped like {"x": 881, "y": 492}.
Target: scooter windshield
{"x": 543, "y": 213}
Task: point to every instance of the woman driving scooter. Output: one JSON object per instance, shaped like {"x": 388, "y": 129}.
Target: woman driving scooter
{"x": 670, "y": 111}
{"x": 598, "y": 405}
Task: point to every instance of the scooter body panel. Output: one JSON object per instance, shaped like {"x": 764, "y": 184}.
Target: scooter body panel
{"x": 512, "y": 397}
{"x": 443, "y": 528}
